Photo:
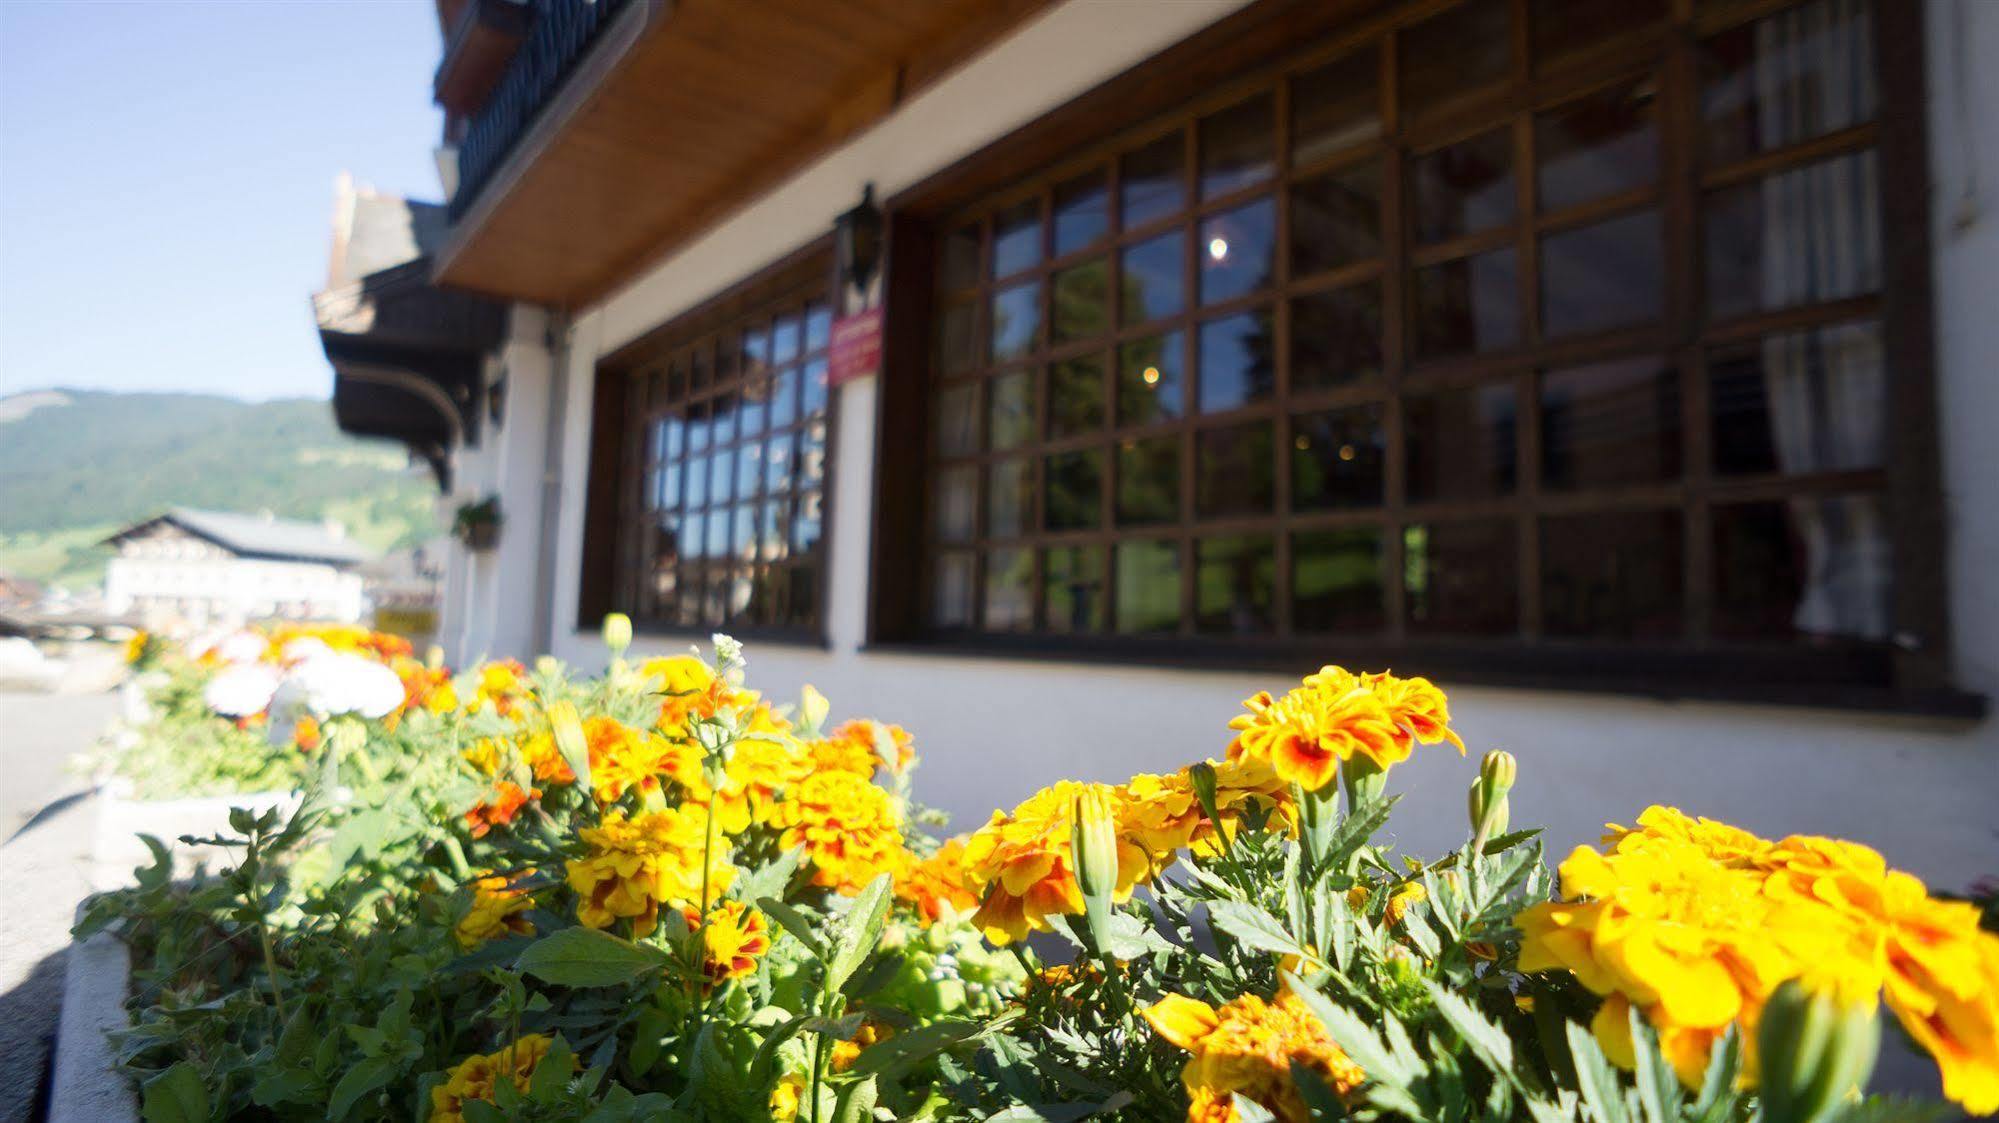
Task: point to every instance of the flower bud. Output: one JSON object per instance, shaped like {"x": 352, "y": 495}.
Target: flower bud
{"x": 567, "y": 728}
{"x": 1498, "y": 770}
{"x": 1201, "y": 777}
{"x": 1816, "y": 1052}
{"x": 1487, "y": 804}
{"x": 1094, "y": 854}
{"x": 617, "y": 633}
{"x": 433, "y": 657}
{"x": 812, "y": 709}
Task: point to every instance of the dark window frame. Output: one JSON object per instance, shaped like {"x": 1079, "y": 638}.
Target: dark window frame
{"x": 1255, "y": 51}
{"x": 635, "y": 387}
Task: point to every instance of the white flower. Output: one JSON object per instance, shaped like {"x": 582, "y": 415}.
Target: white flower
{"x": 329, "y": 685}
{"x": 241, "y": 690}
{"x": 242, "y": 647}
{"x": 303, "y": 648}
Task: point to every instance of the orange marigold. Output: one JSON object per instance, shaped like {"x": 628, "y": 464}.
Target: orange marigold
{"x": 1334, "y": 716}
{"x": 499, "y": 808}
{"x": 1247, "y": 1048}
{"x": 736, "y": 937}
{"x": 849, "y": 828}
{"x": 1023, "y": 868}
{"x": 935, "y": 886}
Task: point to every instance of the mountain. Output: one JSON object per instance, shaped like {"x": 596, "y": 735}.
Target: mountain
{"x": 76, "y": 465}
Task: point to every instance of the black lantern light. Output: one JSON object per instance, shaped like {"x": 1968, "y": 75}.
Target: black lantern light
{"x": 857, "y": 236}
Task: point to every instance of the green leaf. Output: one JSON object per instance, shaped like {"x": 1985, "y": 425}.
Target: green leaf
{"x": 1252, "y": 927}
{"x": 794, "y": 922}
{"x": 1486, "y": 1039}
{"x": 857, "y": 1102}
{"x": 1249, "y": 1111}
{"x": 365, "y": 1077}
{"x": 1596, "y": 1080}
{"x": 585, "y": 957}
{"x": 771, "y": 878}
{"x": 859, "y": 934}
{"x": 286, "y": 1085}
{"x": 1356, "y": 1038}
{"x": 1658, "y": 1087}
{"x": 552, "y": 1072}
{"x": 912, "y": 1047}
{"x": 1354, "y": 831}
{"x": 175, "y": 1096}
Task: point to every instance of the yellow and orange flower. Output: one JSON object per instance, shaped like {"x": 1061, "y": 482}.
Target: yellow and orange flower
{"x": 1247, "y": 1048}
{"x": 736, "y": 938}
{"x": 865, "y": 745}
{"x": 305, "y": 733}
{"x": 497, "y": 905}
{"x": 640, "y": 864}
{"x": 622, "y": 758}
{"x": 500, "y": 807}
{"x": 475, "y": 1077}
{"x": 500, "y": 686}
{"x": 1334, "y": 716}
{"x": 1022, "y": 866}
{"x": 850, "y": 829}
{"x": 935, "y": 886}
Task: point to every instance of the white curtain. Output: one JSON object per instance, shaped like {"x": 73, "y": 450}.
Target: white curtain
{"x": 1822, "y": 241}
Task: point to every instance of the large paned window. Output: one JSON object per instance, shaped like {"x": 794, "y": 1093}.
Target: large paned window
{"x": 1460, "y": 333}
{"x": 722, "y": 514}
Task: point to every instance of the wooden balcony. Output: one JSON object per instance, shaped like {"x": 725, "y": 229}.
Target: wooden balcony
{"x": 624, "y": 127}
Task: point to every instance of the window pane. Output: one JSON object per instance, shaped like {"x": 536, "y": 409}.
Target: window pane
{"x": 1336, "y": 219}
{"x": 1464, "y": 188}
{"x": 1234, "y": 471}
{"x": 1564, "y": 27}
{"x": 1797, "y": 75}
{"x": 1471, "y": 304}
{"x": 1238, "y": 360}
{"x": 802, "y": 596}
{"x": 1337, "y": 458}
{"x": 1459, "y": 577}
{"x": 1808, "y": 234}
{"x": 1154, "y": 180}
{"x": 1148, "y": 587}
{"x": 955, "y": 504}
{"x": 743, "y": 532}
{"x": 1235, "y": 585}
{"x": 1336, "y": 337}
{"x": 818, "y": 326}
{"x": 1009, "y": 499}
{"x": 1148, "y": 481}
{"x": 1601, "y": 145}
{"x": 958, "y": 338}
{"x": 1462, "y": 49}
{"x": 814, "y": 377}
{"x": 722, "y": 419}
{"x": 1082, "y": 212}
{"x": 783, "y": 398}
{"x": 770, "y": 533}
{"x": 951, "y": 591}
{"x": 697, "y": 427}
{"x": 1010, "y": 420}
{"x": 697, "y": 481}
{"x": 1336, "y": 106}
{"x": 807, "y": 519}
{"x": 1016, "y": 321}
{"x": 749, "y": 470}
{"x": 754, "y": 350}
{"x": 958, "y": 420}
{"x": 721, "y": 477}
{"x": 688, "y": 612}
{"x": 754, "y": 407}
{"x": 1073, "y": 588}
{"x": 1076, "y": 396}
{"x": 1151, "y": 380}
{"x": 1807, "y": 568}
{"x": 1603, "y": 276}
{"x": 1800, "y": 402}
{"x": 693, "y": 541}
{"x": 1460, "y": 444}
{"x": 1336, "y": 580}
{"x": 1155, "y": 278}
{"x": 717, "y": 545}
{"x": 1082, "y": 301}
{"x": 1016, "y": 237}
{"x": 1610, "y": 424}
{"x": 1010, "y": 590}
{"x": 1614, "y": 576}
{"x": 1238, "y": 146}
{"x": 779, "y": 468}
{"x": 1075, "y": 489}
{"x": 811, "y": 463}
{"x": 784, "y": 341}
{"x": 1238, "y": 251}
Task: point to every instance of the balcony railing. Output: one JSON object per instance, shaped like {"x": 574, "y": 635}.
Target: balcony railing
{"x": 562, "y": 32}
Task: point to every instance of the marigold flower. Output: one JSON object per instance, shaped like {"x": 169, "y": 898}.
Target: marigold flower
{"x": 501, "y": 685}
{"x": 1021, "y": 866}
{"x": 845, "y": 1053}
{"x": 622, "y": 758}
{"x": 1306, "y": 735}
{"x": 475, "y": 1077}
{"x": 785, "y": 1096}
{"x": 935, "y": 886}
{"x": 689, "y": 690}
{"x": 891, "y": 745}
{"x": 484, "y": 755}
{"x": 849, "y": 828}
{"x": 640, "y": 864}
{"x": 1247, "y": 1048}
{"x": 495, "y": 912}
{"x": 305, "y": 733}
{"x": 500, "y": 808}
{"x": 544, "y": 759}
{"x": 736, "y": 937}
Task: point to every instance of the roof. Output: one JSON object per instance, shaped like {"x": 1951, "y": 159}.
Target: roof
{"x": 260, "y": 536}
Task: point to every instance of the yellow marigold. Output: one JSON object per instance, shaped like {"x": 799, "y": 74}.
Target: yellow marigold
{"x": 1162, "y": 814}
{"x": 499, "y": 808}
{"x": 845, "y": 1053}
{"x": 849, "y": 828}
{"x": 622, "y": 759}
{"x": 785, "y": 1096}
{"x": 883, "y": 743}
{"x": 502, "y": 685}
{"x": 688, "y": 689}
{"x": 484, "y": 755}
{"x": 1306, "y": 735}
{"x": 495, "y": 911}
{"x": 1021, "y": 865}
{"x": 136, "y": 647}
{"x": 1247, "y": 1048}
{"x": 544, "y": 759}
{"x": 305, "y": 733}
{"x": 640, "y": 864}
{"x": 762, "y": 767}
{"x": 1398, "y": 902}
{"x": 843, "y": 754}
{"x": 737, "y": 936}
{"x": 1720, "y": 841}
{"x": 475, "y": 1077}
{"x": 935, "y": 886}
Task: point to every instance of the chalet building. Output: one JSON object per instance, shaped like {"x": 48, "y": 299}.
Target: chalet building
{"x": 214, "y": 569}
{"x": 1050, "y": 375}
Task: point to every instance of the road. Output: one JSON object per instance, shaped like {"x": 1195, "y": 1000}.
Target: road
{"x": 43, "y": 873}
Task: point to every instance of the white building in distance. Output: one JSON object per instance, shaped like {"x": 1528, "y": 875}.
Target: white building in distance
{"x": 220, "y": 569}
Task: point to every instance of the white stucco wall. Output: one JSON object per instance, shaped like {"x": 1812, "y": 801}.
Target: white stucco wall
{"x": 993, "y": 730}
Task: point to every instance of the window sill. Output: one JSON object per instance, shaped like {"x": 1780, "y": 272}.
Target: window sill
{"x": 752, "y": 638}
{"x": 1846, "y": 680}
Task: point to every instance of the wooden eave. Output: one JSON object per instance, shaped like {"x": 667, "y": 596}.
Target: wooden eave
{"x": 682, "y": 113}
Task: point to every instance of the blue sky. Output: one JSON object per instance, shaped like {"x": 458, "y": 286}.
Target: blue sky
{"x": 166, "y": 181}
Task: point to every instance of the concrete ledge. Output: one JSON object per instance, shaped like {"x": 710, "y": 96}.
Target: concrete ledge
{"x": 87, "y": 1087}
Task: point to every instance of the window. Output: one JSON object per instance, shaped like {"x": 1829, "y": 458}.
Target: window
{"x": 721, "y": 510}
{"x": 1577, "y": 350}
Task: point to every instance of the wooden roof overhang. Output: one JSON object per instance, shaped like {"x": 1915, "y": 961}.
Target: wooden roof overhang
{"x": 681, "y": 111}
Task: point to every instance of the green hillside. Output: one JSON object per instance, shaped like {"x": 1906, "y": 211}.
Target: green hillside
{"x": 76, "y": 465}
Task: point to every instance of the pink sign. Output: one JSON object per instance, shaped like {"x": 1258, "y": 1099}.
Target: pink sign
{"x": 856, "y": 349}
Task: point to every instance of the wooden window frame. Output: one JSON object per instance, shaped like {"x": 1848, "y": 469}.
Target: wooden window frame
{"x": 1255, "y": 51}
{"x": 635, "y": 386}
